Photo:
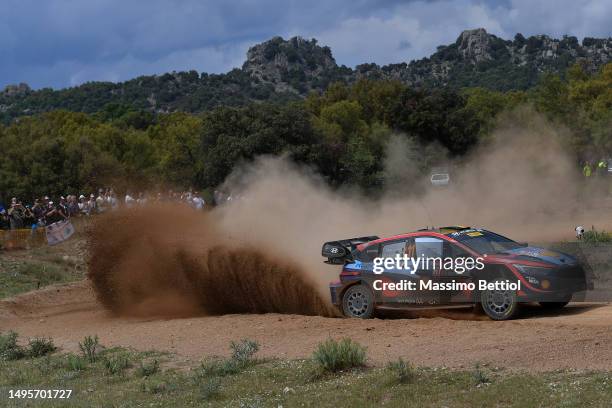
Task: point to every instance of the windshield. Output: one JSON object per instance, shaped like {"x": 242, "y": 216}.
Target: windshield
{"x": 485, "y": 242}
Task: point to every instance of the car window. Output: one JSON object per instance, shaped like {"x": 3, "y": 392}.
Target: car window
{"x": 391, "y": 249}
{"x": 429, "y": 247}
{"x": 485, "y": 242}
{"x": 454, "y": 251}
{"x": 369, "y": 253}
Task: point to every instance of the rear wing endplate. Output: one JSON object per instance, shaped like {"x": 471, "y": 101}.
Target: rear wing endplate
{"x": 340, "y": 251}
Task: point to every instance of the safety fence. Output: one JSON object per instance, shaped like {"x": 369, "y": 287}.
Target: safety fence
{"x": 36, "y": 237}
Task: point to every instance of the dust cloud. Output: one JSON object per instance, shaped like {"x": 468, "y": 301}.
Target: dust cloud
{"x": 168, "y": 260}
{"x": 261, "y": 251}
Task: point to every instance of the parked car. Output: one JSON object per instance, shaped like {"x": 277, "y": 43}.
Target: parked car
{"x": 440, "y": 179}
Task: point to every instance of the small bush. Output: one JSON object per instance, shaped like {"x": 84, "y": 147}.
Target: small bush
{"x": 75, "y": 363}
{"x": 90, "y": 348}
{"x": 403, "y": 372}
{"x": 244, "y": 350}
{"x": 333, "y": 356}
{"x": 40, "y": 346}
{"x": 595, "y": 236}
{"x": 116, "y": 365}
{"x": 9, "y": 349}
{"x": 221, "y": 368}
{"x": 210, "y": 389}
{"x": 147, "y": 369}
{"x": 480, "y": 377}
{"x": 153, "y": 387}
{"x": 242, "y": 357}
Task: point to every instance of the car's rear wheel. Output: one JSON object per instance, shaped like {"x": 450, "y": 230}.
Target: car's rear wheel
{"x": 499, "y": 304}
{"x": 358, "y": 301}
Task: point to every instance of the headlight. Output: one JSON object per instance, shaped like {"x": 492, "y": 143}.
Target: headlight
{"x": 532, "y": 274}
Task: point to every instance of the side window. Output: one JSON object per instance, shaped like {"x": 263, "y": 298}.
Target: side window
{"x": 454, "y": 251}
{"x": 429, "y": 247}
{"x": 369, "y": 253}
{"x": 405, "y": 246}
{"x": 391, "y": 249}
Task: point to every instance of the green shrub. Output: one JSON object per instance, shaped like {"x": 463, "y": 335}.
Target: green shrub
{"x": 403, "y": 372}
{"x": 244, "y": 350}
{"x": 153, "y": 387}
{"x": 90, "y": 348}
{"x": 75, "y": 363}
{"x": 333, "y": 356}
{"x": 116, "y": 365}
{"x": 219, "y": 368}
{"x": 9, "y": 349}
{"x": 40, "y": 346}
{"x": 242, "y": 357}
{"x": 210, "y": 389}
{"x": 595, "y": 236}
{"x": 147, "y": 369}
{"x": 480, "y": 377}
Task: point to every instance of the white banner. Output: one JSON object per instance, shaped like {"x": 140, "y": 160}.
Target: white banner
{"x": 59, "y": 232}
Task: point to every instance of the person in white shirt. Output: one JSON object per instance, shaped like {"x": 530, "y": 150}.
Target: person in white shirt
{"x": 198, "y": 202}
{"x": 129, "y": 200}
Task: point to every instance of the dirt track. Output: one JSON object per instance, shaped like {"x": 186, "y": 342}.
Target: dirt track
{"x": 578, "y": 337}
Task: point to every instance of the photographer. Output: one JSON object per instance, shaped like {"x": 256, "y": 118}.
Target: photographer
{"x": 16, "y": 214}
{"x": 54, "y": 213}
{"x": 39, "y": 212}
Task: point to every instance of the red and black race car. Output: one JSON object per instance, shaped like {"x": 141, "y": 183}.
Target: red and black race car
{"x": 446, "y": 268}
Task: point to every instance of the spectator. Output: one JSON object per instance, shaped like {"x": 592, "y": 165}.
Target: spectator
{"x": 100, "y": 202}
{"x": 142, "y": 200}
{"x": 39, "y": 212}
{"x": 198, "y": 202}
{"x": 54, "y": 213}
{"x": 83, "y": 205}
{"x": 16, "y": 213}
{"x": 129, "y": 200}
{"x": 5, "y": 224}
{"x": 72, "y": 205}
{"x": 92, "y": 204}
{"x": 29, "y": 221}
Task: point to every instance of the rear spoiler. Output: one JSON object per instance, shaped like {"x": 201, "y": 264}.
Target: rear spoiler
{"x": 338, "y": 252}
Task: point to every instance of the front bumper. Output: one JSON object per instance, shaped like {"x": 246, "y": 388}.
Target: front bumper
{"x": 556, "y": 285}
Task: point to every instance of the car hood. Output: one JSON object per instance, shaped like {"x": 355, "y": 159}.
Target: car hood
{"x": 531, "y": 253}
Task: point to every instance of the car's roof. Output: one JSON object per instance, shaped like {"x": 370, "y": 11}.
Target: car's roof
{"x": 442, "y": 232}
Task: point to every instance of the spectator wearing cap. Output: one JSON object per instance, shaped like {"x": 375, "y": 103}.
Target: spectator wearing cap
{"x": 54, "y": 213}
{"x": 83, "y": 205}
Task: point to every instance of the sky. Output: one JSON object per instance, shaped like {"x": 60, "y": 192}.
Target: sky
{"x": 61, "y": 43}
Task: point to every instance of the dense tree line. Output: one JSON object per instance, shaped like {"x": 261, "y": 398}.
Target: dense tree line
{"x": 342, "y": 133}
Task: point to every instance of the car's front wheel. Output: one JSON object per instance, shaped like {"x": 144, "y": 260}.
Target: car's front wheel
{"x": 358, "y": 301}
{"x": 499, "y": 304}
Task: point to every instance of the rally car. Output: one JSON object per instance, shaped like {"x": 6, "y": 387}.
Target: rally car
{"x": 471, "y": 266}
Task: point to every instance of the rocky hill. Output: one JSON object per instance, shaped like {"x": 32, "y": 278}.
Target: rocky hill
{"x": 279, "y": 70}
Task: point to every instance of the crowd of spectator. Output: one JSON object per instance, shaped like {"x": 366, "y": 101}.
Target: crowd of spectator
{"x": 44, "y": 211}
